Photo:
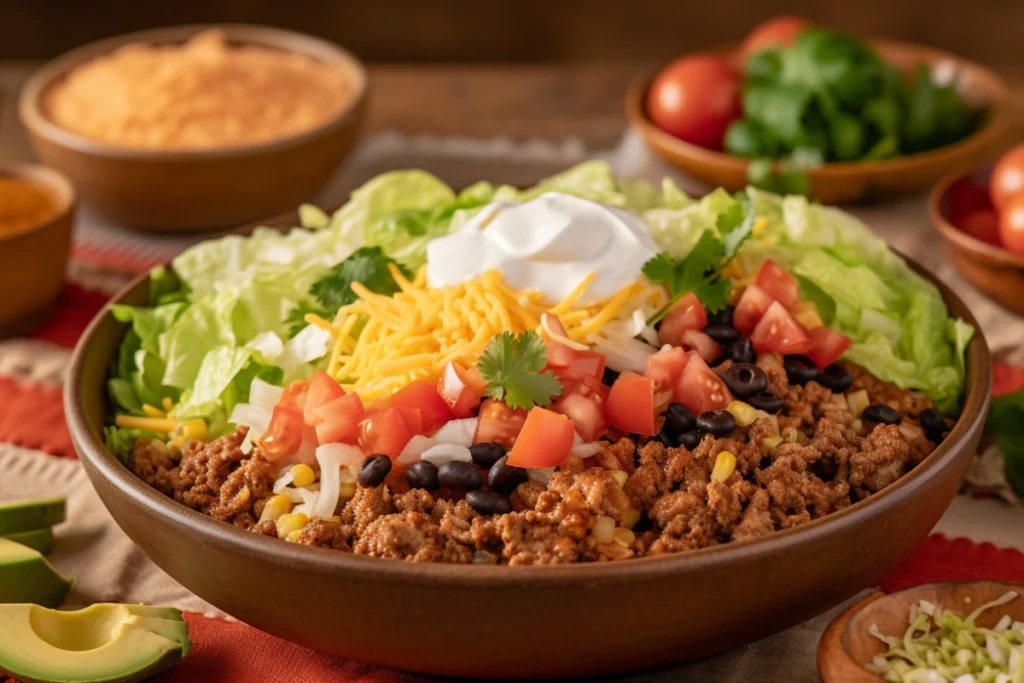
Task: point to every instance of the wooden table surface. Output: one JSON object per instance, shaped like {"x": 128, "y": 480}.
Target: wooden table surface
{"x": 550, "y": 102}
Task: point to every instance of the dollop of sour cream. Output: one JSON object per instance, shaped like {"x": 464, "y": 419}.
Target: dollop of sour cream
{"x": 548, "y": 244}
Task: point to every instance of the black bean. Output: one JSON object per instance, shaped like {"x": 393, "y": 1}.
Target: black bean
{"x": 800, "y": 369}
{"x": 486, "y": 454}
{"x": 678, "y": 419}
{"x": 933, "y": 425}
{"x": 741, "y": 351}
{"x": 690, "y": 440}
{"x": 721, "y": 317}
{"x": 609, "y": 376}
{"x": 422, "y": 475}
{"x": 374, "y": 471}
{"x": 835, "y": 377}
{"x": 504, "y": 478}
{"x": 745, "y": 380}
{"x": 489, "y": 502}
{"x": 716, "y": 422}
{"x": 881, "y": 413}
{"x": 665, "y": 440}
{"x": 769, "y": 403}
{"x": 459, "y": 475}
{"x": 723, "y": 334}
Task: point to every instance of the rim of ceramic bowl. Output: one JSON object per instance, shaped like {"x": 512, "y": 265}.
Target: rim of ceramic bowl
{"x": 978, "y": 388}
{"x": 32, "y": 116}
{"x": 995, "y": 124}
{"x": 52, "y": 180}
{"x": 940, "y": 222}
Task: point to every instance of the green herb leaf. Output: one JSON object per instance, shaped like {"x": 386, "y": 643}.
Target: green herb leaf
{"x": 368, "y": 266}
{"x": 1006, "y": 424}
{"x": 513, "y": 366}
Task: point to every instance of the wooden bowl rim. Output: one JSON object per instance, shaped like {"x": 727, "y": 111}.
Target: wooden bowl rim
{"x": 32, "y": 117}
{"x": 996, "y": 121}
{"x": 51, "y": 179}
{"x": 982, "y": 251}
{"x": 978, "y": 389}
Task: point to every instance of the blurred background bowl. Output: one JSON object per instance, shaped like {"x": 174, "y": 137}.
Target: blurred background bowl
{"x": 838, "y": 182}
{"x": 33, "y": 261}
{"x": 171, "y": 190}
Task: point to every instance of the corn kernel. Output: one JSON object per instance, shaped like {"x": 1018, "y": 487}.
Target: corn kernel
{"x": 630, "y": 517}
{"x": 334, "y": 519}
{"x": 623, "y": 537}
{"x": 790, "y": 434}
{"x": 177, "y": 443}
{"x": 153, "y": 411}
{"x": 620, "y": 477}
{"x": 857, "y": 402}
{"x": 348, "y": 489}
{"x": 194, "y": 430}
{"x": 771, "y": 442}
{"x": 302, "y": 475}
{"x": 293, "y": 521}
{"x": 167, "y": 404}
{"x": 759, "y": 226}
{"x": 725, "y": 464}
{"x": 276, "y": 507}
{"x": 857, "y": 425}
{"x": 294, "y": 536}
{"x": 604, "y": 529}
{"x": 745, "y": 414}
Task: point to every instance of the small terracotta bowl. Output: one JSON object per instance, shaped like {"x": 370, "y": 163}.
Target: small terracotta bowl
{"x": 847, "y": 644}
{"x": 32, "y": 261}
{"x": 995, "y": 271}
{"x": 175, "y": 190}
{"x": 839, "y": 182}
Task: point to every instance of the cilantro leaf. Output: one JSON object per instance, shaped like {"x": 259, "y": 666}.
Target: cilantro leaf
{"x": 513, "y": 366}
{"x": 296, "y": 319}
{"x": 1005, "y": 422}
{"x": 366, "y": 265}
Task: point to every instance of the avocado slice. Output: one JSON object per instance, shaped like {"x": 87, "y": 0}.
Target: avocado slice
{"x": 26, "y": 515}
{"x": 104, "y": 643}
{"x": 26, "y": 576}
{"x": 37, "y": 539}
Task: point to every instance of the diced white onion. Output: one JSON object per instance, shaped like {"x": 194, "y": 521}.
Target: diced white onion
{"x": 541, "y": 475}
{"x": 582, "y": 448}
{"x": 446, "y": 452}
{"x": 604, "y": 528}
{"x": 332, "y": 457}
{"x": 308, "y": 345}
{"x": 249, "y": 415}
{"x": 546, "y": 326}
{"x": 911, "y": 432}
{"x": 1003, "y": 624}
{"x": 264, "y": 395}
{"x": 294, "y": 495}
{"x": 268, "y": 344}
{"x": 451, "y": 384}
{"x": 624, "y": 353}
{"x": 458, "y": 432}
{"x": 283, "y": 482}
{"x": 414, "y": 449}
{"x": 927, "y": 607}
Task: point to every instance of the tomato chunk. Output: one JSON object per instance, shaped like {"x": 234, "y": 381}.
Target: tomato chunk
{"x": 385, "y": 432}
{"x": 686, "y": 314}
{"x": 706, "y": 347}
{"x": 665, "y": 367}
{"x": 826, "y": 346}
{"x": 700, "y": 389}
{"x": 778, "y": 283}
{"x": 284, "y": 433}
{"x": 294, "y": 395}
{"x": 545, "y": 440}
{"x": 779, "y": 332}
{"x": 322, "y": 389}
{"x": 423, "y": 396}
{"x": 499, "y": 424}
{"x": 750, "y": 308}
{"x": 585, "y": 407}
{"x": 630, "y": 405}
{"x": 461, "y": 389}
{"x": 338, "y": 420}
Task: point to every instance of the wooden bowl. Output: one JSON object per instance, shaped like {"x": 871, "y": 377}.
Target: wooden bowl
{"x": 518, "y": 622}
{"x": 839, "y": 182}
{"x": 995, "y": 271}
{"x": 847, "y": 644}
{"x": 32, "y": 261}
{"x": 174, "y": 190}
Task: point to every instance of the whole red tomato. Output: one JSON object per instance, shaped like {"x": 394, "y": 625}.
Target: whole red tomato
{"x": 1007, "y": 176}
{"x": 982, "y": 224}
{"x": 1011, "y": 224}
{"x": 782, "y": 30}
{"x": 695, "y": 99}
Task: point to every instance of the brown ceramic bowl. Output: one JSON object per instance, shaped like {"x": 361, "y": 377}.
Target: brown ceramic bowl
{"x": 836, "y": 182}
{"x": 499, "y": 621}
{"x": 847, "y": 644}
{"x": 996, "y": 272}
{"x": 32, "y": 261}
{"x": 173, "y": 190}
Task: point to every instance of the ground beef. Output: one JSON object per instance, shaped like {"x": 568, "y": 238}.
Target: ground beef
{"x": 829, "y": 461}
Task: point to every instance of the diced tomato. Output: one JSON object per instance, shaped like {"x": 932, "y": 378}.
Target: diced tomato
{"x": 584, "y": 407}
{"x": 385, "y": 432}
{"x": 413, "y": 419}
{"x": 284, "y": 433}
{"x": 665, "y": 367}
{"x": 779, "y": 332}
{"x": 686, "y": 314}
{"x": 586, "y": 364}
{"x": 778, "y": 283}
{"x": 423, "y": 396}
{"x": 499, "y": 424}
{"x": 630, "y": 405}
{"x": 322, "y": 389}
{"x": 460, "y": 389}
{"x": 750, "y": 308}
{"x": 558, "y": 354}
{"x": 307, "y": 447}
{"x": 700, "y": 389}
{"x": 544, "y": 441}
{"x": 706, "y": 347}
{"x": 826, "y": 346}
{"x": 294, "y": 395}
{"x": 338, "y": 420}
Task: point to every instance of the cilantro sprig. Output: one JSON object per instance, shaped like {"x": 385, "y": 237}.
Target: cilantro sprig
{"x": 700, "y": 271}
{"x": 513, "y": 366}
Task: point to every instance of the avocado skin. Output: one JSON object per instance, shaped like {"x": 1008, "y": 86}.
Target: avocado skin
{"x": 40, "y": 540}
{"x": 26, "y": 515}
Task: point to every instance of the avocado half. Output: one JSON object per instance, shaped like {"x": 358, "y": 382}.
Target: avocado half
{"x": 103, "y": 643}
